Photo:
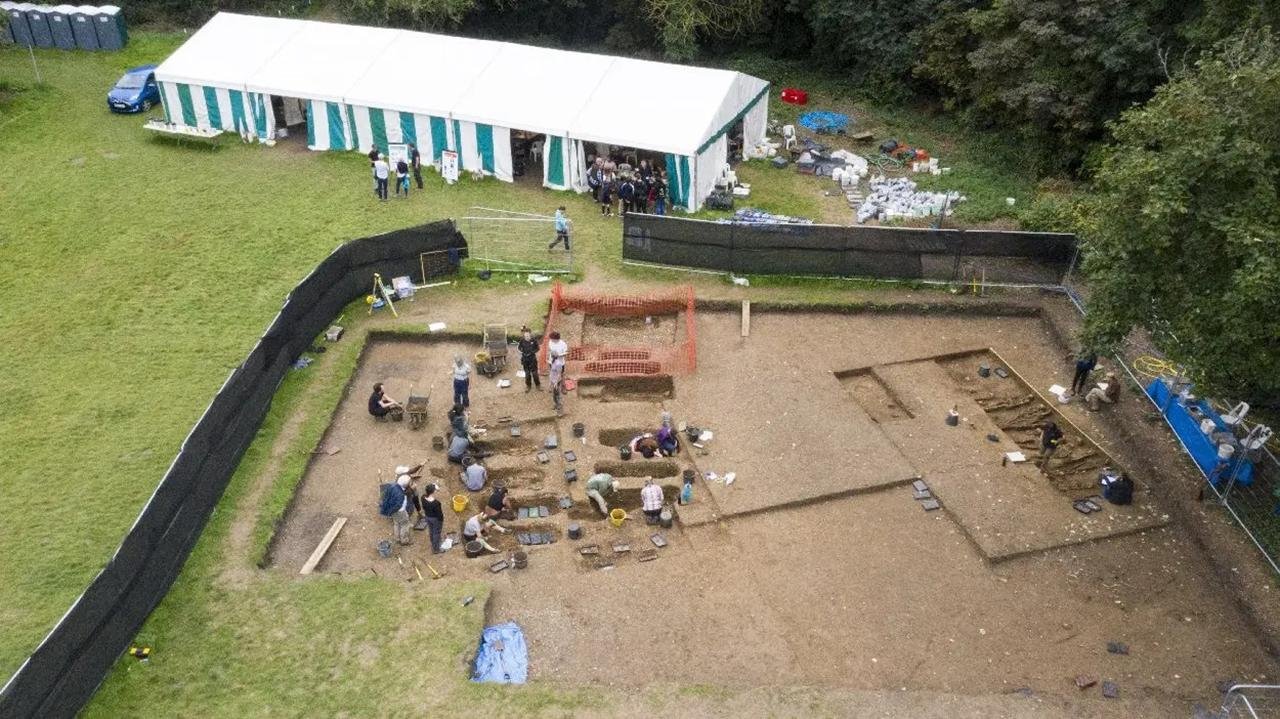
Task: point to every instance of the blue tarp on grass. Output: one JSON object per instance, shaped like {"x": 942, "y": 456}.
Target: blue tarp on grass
{"x": 503, "y": 656}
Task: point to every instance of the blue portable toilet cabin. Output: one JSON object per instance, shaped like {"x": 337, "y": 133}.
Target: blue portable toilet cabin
{"x": 39, "y": 24}
{"x": 110, "y": 27}
{"x": 59, "y": 17}
{"x": 82, "y": 27}
{"x": 18, "y": 27}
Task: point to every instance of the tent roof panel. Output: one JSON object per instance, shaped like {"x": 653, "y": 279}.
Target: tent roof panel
{"x": 444, "y": 68}
{"x": 323, "y": 60}
{"x": 228, "y": 50}
{"x": 533, "y": 88}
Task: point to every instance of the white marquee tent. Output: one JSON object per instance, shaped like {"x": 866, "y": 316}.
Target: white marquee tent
{"x": 363, "y": 87}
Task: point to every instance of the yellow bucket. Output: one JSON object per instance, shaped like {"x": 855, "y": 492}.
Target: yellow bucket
{"x": 460, "y": 503}
{"x": 617, "y": 517}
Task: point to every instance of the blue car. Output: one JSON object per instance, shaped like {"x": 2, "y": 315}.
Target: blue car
{"x": 136, "y": 91}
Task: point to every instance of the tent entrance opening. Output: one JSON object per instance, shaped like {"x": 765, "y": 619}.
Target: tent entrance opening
{"x": 291, "y": 117}
{"x": 526, "y": 155}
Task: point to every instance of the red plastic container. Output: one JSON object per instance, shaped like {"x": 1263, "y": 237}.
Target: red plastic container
{"x": 794, "y": 96}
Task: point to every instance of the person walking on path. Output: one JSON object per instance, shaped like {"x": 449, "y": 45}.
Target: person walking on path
{"x": 1084, "y": 365}
{"x": 562, "y": 230}
{"x": 461, "y": 381}
{"x": 556, "y": 378}
{"x": 402, "y": 178}
{"x": 380, "y": 174}
{"x": 415, "y": 161}
{"x": 528, "y": 347}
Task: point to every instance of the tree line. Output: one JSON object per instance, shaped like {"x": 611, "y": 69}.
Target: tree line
{"x": 1167, "y": 109}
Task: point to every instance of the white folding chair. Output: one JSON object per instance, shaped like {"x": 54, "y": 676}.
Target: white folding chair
{"x": 788, "y": 136}
{"x": 1236, "y": 415}
{"x": 1258, "y": 437}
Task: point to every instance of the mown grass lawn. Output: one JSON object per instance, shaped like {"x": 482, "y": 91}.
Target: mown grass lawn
{"x": 135, "y": 273}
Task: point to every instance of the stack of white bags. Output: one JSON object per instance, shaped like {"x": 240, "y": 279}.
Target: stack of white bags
{"x": 893, "y": 198}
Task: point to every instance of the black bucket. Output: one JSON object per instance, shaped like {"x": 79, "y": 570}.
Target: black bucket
{"x": 984, "y": 371}
{"x": 665, "y": 517}
{"x": 520, "y": 560}
{"x": 688, "y": 476}
{"x": 579, "y": 429}
{"x": 624, "y": 452}
{"x": 437, "y": 443}
{"x": 473, "y": 549}
{"x": 575, "y": 530}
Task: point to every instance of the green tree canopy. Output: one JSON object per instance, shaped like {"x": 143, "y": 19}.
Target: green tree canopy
{"x": 1185, "y": 237}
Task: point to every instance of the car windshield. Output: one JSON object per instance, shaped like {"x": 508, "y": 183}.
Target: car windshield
{"x": 131, "y": 82}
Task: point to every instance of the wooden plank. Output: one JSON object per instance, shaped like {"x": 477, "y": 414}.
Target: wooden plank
{"x": 323, "y": 547}
{"x": 746, "y": 317}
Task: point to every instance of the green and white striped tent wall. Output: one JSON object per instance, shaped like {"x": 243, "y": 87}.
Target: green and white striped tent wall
{"x": 364, "y": 87}
{"x": 480, "y": 147}
{"x": 245, "y": 113}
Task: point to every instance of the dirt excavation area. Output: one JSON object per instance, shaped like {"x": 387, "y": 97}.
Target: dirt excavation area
{"x": 813, "y": 552}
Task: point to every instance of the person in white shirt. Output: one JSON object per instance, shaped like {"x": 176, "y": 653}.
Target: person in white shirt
{"x": 461, "y": 381}
{"x": 474, "y": 531}
{"x": 651, "y": 501}
{"x": 381, "y": 171}
{"x": 557, "y": 348}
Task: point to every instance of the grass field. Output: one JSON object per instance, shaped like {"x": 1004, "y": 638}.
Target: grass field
{"x": 136, "y": 274}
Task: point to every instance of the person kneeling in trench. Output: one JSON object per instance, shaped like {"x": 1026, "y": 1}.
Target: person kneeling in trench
{"x": 474, "y": 531}
{"x": 498, "y": 503}
{"x": 598, "y": 486}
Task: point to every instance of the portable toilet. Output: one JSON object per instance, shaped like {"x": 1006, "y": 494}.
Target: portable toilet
{"x": 110, "y": 26}
{"x": 39, "y": 26}
{"x": 18, "y": 27}
{"x": 59, "y": 17}
{"x": 82, "y": 27}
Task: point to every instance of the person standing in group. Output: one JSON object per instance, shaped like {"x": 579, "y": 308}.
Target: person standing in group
{"x": 415, "y": 162}
{"x": 380, "y": 174}
{"x": 626, "y": 196}
{"x": 461, "y": 381}
{"x": 595, "y": 178}
{"x": 606, "y": 195}
{"x": 395, "y": 506}
{"x": 528, "y": 347}
{"x": 562, "y": 229}
{"x": 640, "y": 198}
{"x": 1084, "y": 365}
{"x": 556, "y": 379}
{"x": 433, "y": 515}
{"x": 659, "y": 194}
{"x": 402, "y": 177}
{"x": 373, "y": 160}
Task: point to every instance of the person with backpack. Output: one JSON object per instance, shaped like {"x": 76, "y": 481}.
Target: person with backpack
{"x": 627, "y": 195}
{"x": 402, "y": 177}
{"x": 395, "y": 506}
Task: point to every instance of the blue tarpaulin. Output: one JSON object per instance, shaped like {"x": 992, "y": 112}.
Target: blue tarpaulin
{"x": 823, "y": 121}
{"x": 503, "y": 656}
{"x": 1185, "y": 419}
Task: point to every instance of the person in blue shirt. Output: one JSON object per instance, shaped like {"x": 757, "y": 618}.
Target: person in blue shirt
{"x": 562, "y": 230}
{"x": 395, "y": 506}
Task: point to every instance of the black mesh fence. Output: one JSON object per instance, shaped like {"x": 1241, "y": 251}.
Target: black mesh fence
{"x": 1038, "y": 258}
{"x": 64, "y": 671}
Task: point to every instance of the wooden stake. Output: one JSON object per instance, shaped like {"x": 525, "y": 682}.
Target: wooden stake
{"x": 746, "y": 317}
{"x": 323, "y": 547}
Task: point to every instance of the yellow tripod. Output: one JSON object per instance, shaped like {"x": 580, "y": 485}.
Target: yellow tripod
{"x": 380, "y": 290}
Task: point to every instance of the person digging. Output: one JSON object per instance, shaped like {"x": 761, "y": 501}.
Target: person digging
{"x": 498, "y": 503}
{"x": 1050, "y": 441}
{"x": 598, "y": 486}
{"x": 475, "y": 531}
